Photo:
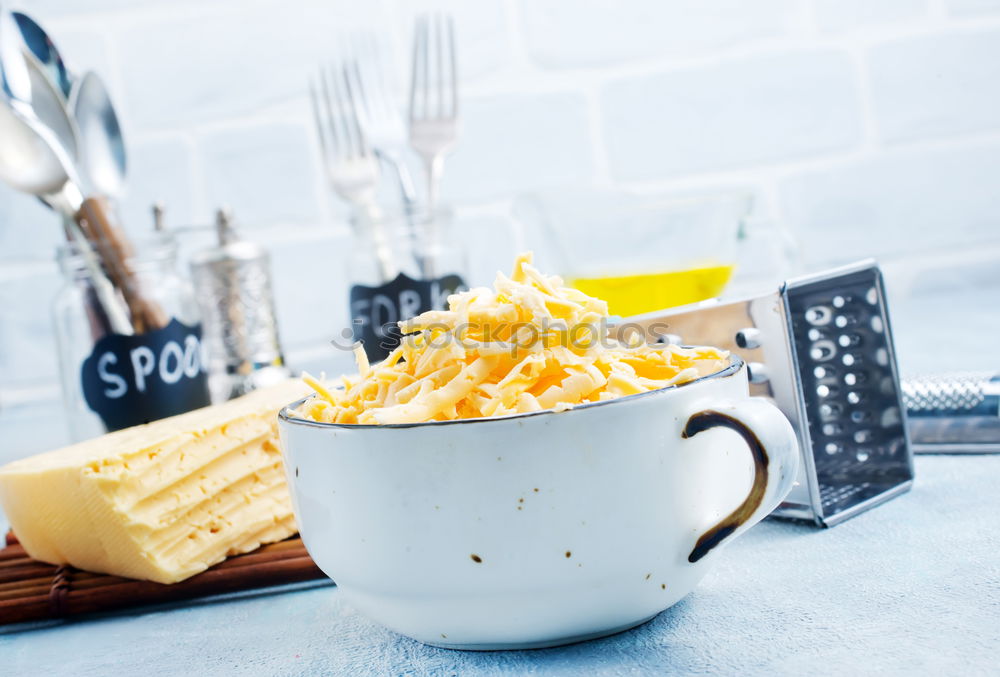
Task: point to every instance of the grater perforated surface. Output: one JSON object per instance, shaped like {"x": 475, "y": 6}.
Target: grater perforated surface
{"x": 849, "y": 388}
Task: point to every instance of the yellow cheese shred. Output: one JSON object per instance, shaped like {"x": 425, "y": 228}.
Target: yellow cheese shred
{"x": 526, "y": 345}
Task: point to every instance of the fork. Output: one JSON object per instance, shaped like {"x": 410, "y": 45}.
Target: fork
{"x": 351, "y": 166}
{"x": 433, "y": 98}
{"x": 382, "y": 124}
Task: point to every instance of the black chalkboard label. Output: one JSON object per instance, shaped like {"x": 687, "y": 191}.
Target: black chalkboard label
{"x": 128, "y": 380}
{"x": 376, "y": 310}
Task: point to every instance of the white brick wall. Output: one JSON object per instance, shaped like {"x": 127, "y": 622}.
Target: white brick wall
{"x": 864, "y": 127}
{"x": 834, "y": 16}
{"x": 569, "y": 33}
{"x": 545, "y": 141}
{"x": 267, "y": 171}
{"x": 162, "y": 167}
{"x": 960, "y": 7}
{"x": 936, "y": 85}
{"x": 902, "y": 201}
{"x": 750, "y": 111}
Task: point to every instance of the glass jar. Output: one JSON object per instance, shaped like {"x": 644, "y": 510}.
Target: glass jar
{"x": 638, "y": 252}
{"x": 115, "y": 380}
{"x": 400, "y": 265}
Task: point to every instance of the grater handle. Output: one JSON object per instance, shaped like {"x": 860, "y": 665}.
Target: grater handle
{"x": 775, "y": 450}
{"x": 957, "y": 394}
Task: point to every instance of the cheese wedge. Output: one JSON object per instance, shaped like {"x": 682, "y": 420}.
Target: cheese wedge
{"x": 161, "y": 501}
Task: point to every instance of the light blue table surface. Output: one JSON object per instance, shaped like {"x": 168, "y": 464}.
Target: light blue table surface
{"x": 912, "y": 587}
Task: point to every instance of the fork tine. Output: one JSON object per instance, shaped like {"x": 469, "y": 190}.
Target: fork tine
{"x": 365, "y": 66}
{"x": 337, "y": 84}
{"x": 318, "y": 117}
{"x": 380, "y": 86}
{"x": 439, "y": 81}
{"x": 425, "y": 54}
{"x": 419, "y": 84}
{"x": 353, "y": 123}
{"x": 336, "y": 142}
{"x": 454, "y": 68}
{"x": 358, "y": 93}
{"x": 414, "y": 69}
{"x": 372, "y": 81}
{"x": 434, "y": 81}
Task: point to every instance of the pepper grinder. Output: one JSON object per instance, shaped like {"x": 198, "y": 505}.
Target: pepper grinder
{"x": 233, "y": 285}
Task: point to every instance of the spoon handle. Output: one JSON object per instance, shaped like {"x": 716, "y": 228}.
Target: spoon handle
{"x": 102, "y": 286}
{"x": 116, "y": 252}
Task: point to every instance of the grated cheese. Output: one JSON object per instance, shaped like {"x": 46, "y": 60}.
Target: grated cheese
{"x": 528, "y": 344}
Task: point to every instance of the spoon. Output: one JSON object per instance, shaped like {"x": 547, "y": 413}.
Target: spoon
{"x": 33, "y": 158}
{"x": 51, "y": 111}
{"x": 50, "y": 86}
{"x": 103, "y": 149}
{"x": 100, "y": 149}
{"x": 30, "y": 158}
{"x": 44, "y": 49}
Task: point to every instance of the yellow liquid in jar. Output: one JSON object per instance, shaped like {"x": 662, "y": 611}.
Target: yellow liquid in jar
{"x": 635, "y": 294}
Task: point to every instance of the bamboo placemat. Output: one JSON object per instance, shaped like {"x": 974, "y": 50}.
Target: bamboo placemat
{"x": 32, "y": 591}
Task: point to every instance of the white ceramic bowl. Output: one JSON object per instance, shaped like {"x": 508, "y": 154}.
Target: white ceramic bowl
{"x": 538, "y": 529}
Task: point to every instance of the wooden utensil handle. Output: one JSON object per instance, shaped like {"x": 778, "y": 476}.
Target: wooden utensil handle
{"x": 96, "y": 221}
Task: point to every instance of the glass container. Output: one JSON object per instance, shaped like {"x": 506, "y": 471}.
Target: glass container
{"x": 400, "y": 265}
{"x": 638, "y": 252}
{"x": 111, "y": 381}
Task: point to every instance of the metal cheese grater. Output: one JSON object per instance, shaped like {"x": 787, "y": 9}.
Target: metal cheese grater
{"x": 821, "y": 347}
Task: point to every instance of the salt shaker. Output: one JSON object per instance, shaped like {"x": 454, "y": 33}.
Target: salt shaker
{"x": 233, "y": 285}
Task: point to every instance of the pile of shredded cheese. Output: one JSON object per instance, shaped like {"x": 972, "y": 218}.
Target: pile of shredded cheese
{"x": 527, "y": 345}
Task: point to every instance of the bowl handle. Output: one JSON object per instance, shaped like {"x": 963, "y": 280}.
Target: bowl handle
{"x": 775, "y": 453}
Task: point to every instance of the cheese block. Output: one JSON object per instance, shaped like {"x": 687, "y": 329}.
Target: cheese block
{"x": 161, "y": 501}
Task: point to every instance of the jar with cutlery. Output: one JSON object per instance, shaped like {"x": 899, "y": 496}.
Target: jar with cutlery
{"x": 406, "y": 260}
{"x": 116, "y": 377}
{"x": 421, "y": 263}
{"x": 127, "y": 329}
